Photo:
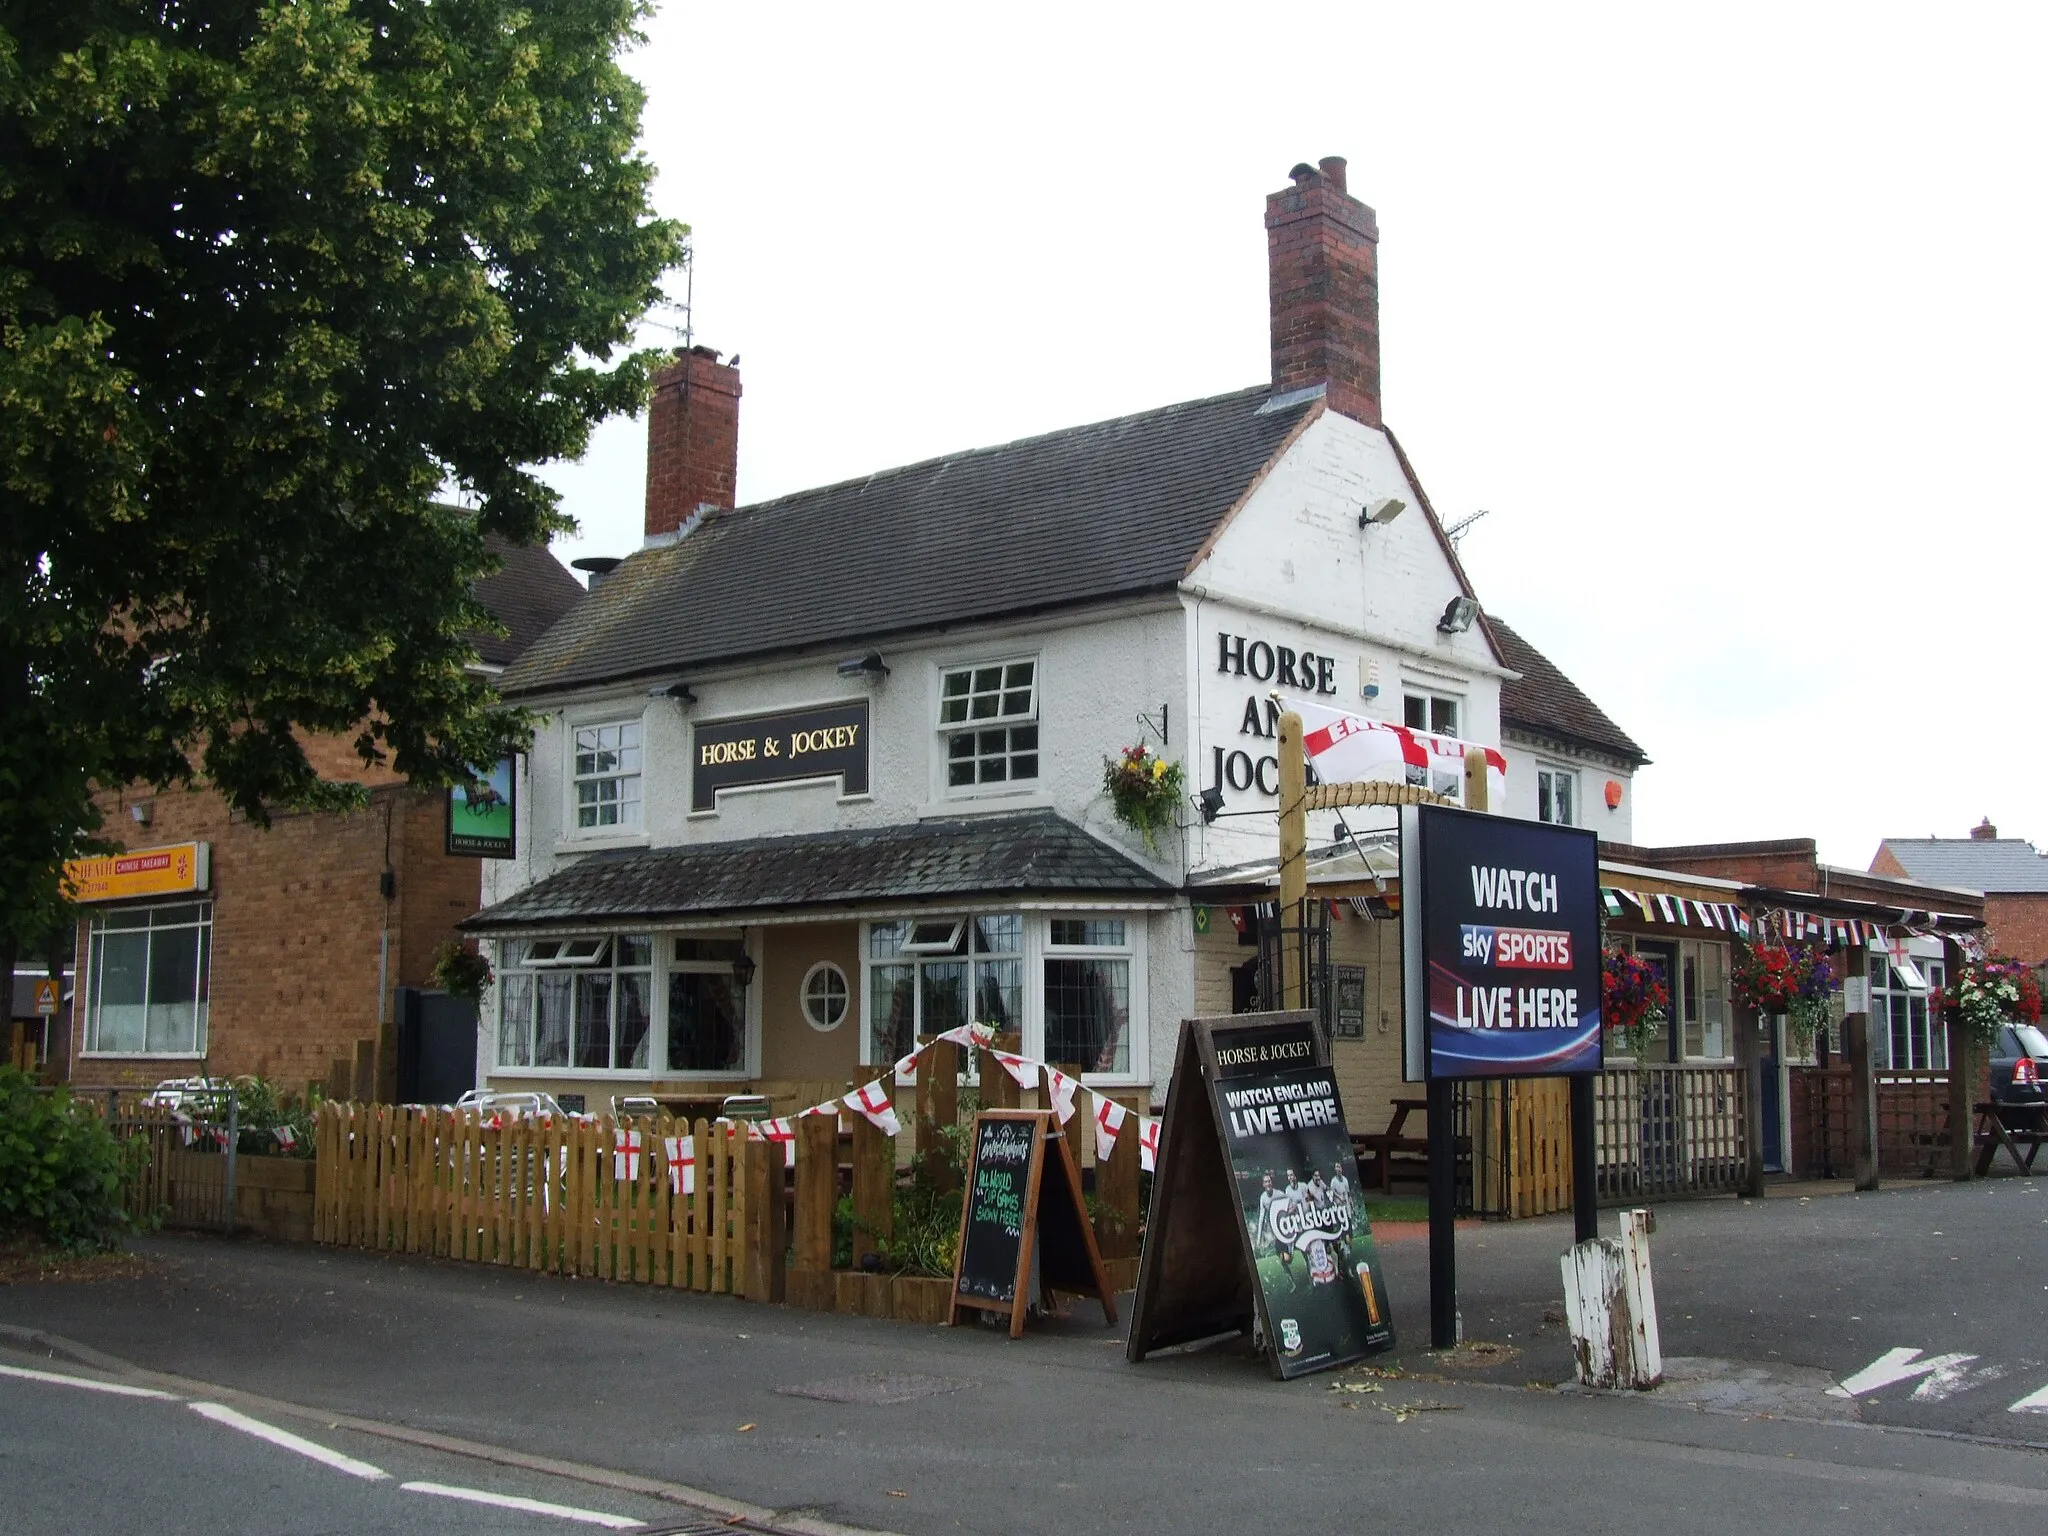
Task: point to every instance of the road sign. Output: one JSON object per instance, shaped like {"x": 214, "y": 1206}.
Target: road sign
{"x": 46, "y": 997}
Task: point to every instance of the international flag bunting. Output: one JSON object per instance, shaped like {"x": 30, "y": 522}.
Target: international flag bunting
{"x": 681, "y": 1152}
{"x": 1109, "y": 1119}
{"x": 1611, "y": 900}
{"x": 1361, "y": 905}
{"x": 1060, "y": 1089}
{"x": 874, "y": 1104}
{"x": 1148, "y": 1143}
{"x": 1238, "y": 920}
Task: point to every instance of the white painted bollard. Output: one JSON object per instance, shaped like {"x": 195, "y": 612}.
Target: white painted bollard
{"x": 1611, "y": 1305}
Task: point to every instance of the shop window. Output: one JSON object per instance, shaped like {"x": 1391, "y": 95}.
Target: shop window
{"x": 1088, "y": 994}
{"x": 707, "y": 1011}
{"x": 582, "y": 1004}
{"x": 917, "y": 990}
{"x": 150, "y": 968}
{"x": 607, "y": 777}
{"x": 1557, "y": 796}
{"x": 824, "y": 997}
{"x": 988, "y": 718}
{"x": 1906, "y": 1034}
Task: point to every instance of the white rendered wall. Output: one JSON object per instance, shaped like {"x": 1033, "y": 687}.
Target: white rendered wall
{"x": 1525, "y": 756}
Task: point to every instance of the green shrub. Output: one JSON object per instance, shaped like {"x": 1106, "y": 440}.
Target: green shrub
{"x": 63, "y": 1175}
{"x": 260, "y": 1109}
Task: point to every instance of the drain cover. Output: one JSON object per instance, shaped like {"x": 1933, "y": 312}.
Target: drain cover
{"x": 878, "y": 1387}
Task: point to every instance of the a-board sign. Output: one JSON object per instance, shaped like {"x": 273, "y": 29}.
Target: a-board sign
{"x": 1500, "y": 946}
{"x": 1022, "y": 1204}
{"x": 1257, "y": 1213}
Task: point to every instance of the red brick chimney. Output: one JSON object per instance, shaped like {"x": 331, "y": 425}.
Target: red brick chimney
{"x": 1984, "y": 832}
{"x": 1322, "y": 251}
{"x": 693, "y": 439}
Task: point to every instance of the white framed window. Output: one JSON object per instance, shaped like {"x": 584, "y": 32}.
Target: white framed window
{"x": 1436, "y": 713}
{"x": 150, "y": 971}
{"x": 824, "y": 997}
{"x": 1088, "y": 980}
{"x": 1906, "y": 1034}
{"x": 708, "y": 1031}
{"x": 577, "y": 1005}
{"x": 988, "y": 724}
{"x": 915, "y": 991}
{"x": 1557, "y": 796}
{"x": 605, "y": 777}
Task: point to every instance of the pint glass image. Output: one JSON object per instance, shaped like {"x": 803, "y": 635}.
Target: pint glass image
{"x": 1372, "y": 1304}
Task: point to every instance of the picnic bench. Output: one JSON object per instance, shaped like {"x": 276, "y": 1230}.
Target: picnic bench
{"x": 1392, "y": 1151}
{"x": 2010, "y": 1126}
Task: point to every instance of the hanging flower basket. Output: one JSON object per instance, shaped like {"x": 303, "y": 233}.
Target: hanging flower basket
{"x": 1795, "y": 980}
{"x": 459, "y": 971}
{"x": 1991, "y": 993}
{"x": 1633, "y": 999}
{"x": 1145, "y": 789}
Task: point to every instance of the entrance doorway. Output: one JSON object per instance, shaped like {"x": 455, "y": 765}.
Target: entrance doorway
{"x": 436, "y": 1046}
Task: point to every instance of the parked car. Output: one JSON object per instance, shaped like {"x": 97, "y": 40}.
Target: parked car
{"x": 2019, "y": 1069}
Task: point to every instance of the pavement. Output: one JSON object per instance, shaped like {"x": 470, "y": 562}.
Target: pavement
{"x": 1777, "y": 1316}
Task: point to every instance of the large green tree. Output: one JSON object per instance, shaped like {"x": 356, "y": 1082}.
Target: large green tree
{"x": 273, "y": 277}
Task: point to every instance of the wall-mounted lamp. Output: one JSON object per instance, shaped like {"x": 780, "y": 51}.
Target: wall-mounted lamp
{"x": 869, "y": 666}
{"x": 142, "y": 813}
{"x": 1458, "y": 615}
{"x": 743, "y": 971}
{"x": 1210, "y": 803}
{"x": 682, "y": 693}
{"x": 1385, "y": 510}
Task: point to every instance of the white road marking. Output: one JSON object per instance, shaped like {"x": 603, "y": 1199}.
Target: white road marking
{"x": 220, "y": 1413}
{"x": 2033, "y": 1402}
{"x": 1947, "y": 1380}
{"x": 529, "y": 1506}
{"x": 1896, "y": 1365}
{"x": 90, "y": 1385}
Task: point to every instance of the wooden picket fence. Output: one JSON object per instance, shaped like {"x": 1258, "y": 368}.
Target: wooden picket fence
{"x": 562, "y": 1195}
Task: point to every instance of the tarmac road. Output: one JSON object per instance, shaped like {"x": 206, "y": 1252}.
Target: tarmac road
{"x": 1056, "y": 1433}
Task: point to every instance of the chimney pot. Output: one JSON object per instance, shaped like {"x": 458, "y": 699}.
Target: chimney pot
{"x": 1333, "y": 170}
{"x": 1984, "y": 832}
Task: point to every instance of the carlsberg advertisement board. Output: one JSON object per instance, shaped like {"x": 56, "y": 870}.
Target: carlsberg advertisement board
{"x": 1323, "y": 1299}
{"x": 1500, "y": 939}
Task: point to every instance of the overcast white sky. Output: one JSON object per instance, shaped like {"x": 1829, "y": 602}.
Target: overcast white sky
{"x": 1732, "y": 318}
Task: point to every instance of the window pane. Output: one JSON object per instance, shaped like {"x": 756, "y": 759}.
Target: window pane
{"x": 885, "y": 939}
{"x": 175, "y": 917}
{"x": 892, "y": 1011}
{"x": 120, "y": 963}
{"x": 593, "y": 1019}
{"x": 722, "y": 951}
{"x": 1567, "y": 791}
{"x": 551, "y": 1020}
{"x": 942, "y": 996}
{"x": 1544, "y": 809}
{"x": 1443, "y": 716}
{"x": 999, "y": 993}
{"x": 636, "y": 949}
{"x": 173, "y": 990}
{"x": 998, "y": 935}
{"x": 636, "y": 992}
{"x": 1415, "y": 713}
{"x": 706, "y": 1032}
{"x": 515, "y": 1022}
{"x": 1087, "y": 1009}
{"x": 1096, "y": 933}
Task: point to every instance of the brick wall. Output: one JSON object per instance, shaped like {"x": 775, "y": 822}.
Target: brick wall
{"x": 2019, "y": 925}
{"x": 693, "y": 433}
{"x": 1323, "y": 281}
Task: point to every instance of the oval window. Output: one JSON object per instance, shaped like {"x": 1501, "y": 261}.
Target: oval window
{"x": 824, "y": 996}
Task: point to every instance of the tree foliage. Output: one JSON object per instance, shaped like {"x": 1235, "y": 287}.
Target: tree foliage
{"x": 272, "y": 275}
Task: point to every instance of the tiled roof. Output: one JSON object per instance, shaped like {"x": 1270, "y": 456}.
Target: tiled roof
{"x": 2000, "y": 865}
{"x": 1543, "y": 700}
{"x": 528, "y": 594}
{"x": 1083, "y": 515}
{"x": 1022, "y": 853}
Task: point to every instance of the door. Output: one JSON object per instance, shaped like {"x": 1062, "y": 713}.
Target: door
{"x": 1662, "y": 1152}
{"x": 436, "y": 1046}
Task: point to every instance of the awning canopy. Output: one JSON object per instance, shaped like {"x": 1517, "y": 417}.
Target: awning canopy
{"x": 1019, "y": 854}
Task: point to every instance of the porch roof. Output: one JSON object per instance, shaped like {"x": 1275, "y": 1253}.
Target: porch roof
{"x": 1021, "y": 853}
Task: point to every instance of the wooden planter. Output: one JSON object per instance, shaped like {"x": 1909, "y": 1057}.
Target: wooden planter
{"x": 905, "y": 1298}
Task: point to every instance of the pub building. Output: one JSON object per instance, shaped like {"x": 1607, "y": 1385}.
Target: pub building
{"x": 821, "y": 777}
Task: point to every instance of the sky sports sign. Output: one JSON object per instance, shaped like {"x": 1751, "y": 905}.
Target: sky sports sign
{"x": 1500, "y": 936}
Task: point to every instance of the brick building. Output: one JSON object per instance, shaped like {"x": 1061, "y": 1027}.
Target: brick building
{"x": 2010, "y": 872}
{"x": 220, "y": 947}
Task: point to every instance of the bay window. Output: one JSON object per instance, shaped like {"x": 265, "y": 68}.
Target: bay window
{"x": 583, "y": 1004}
{"x": 927, "y": 976}
{"x": 1088, "y": 994}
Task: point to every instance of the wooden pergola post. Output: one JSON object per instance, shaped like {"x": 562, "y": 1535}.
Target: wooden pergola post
{"x": 1856, "y": 1053}
{"x": 1749, "y": 1059}
{"x": 1962, "y": 1073}
{"x": 1293, "y": 861}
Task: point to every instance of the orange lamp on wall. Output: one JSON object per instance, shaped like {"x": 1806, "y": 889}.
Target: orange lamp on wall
{"x": 1613, "y": 794}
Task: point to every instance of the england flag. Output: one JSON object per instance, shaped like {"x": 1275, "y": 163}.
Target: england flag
{"x": 1350, "y": 749}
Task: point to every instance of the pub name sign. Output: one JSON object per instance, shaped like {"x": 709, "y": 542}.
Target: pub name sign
{"x": 827, "y": 741}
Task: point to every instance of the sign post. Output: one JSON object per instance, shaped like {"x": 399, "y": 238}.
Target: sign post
{"x": 1254, "y": 1158}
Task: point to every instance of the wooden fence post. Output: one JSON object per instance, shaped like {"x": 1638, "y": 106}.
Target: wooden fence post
{"x": 874, "y": 1187}
{"x": 1116, "y": 1187}
{"x": 938, "y": 1108}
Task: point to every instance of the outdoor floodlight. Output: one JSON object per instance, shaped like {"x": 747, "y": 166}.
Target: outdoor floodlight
{"x": 1459, "y": 613}
{"x": 1210, "y": 801}
{"x": 1385, "y": 510}
{"x": 870, "y": 665}
{"x": 682, "y": 693}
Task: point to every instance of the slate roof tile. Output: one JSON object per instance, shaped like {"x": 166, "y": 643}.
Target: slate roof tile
{"x": 1088, "y": 514}
{"x": 1545, "y": 701}
{"x": 1994, "y": 865}
{"x": 527, "y": 594}
{"x": 1028, "y": 852}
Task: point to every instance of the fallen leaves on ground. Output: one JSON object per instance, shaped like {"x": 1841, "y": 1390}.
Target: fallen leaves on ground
{"x": 25, "y": 1262}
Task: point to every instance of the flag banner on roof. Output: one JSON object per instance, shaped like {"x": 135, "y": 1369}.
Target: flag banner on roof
{"x": 875, "y": 1105}
{"x": 1109, "y": 1119}
{"x": 1350, "y": 749}
{"x": 1060, "y": 1089}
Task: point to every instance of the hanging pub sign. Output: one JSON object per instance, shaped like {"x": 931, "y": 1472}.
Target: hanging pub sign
{"x": 828, "y": 741}
{"x": 1257, "y": 1215}
{"x": 1020, "y": 1219}
{"x": 480, "y": 821}
{"x": 1500, "y": 946}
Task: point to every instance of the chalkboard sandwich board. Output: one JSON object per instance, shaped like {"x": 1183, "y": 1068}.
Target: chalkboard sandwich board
{"x": 1014, "y": 1209}
{"x": 1256, "y": 1210}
